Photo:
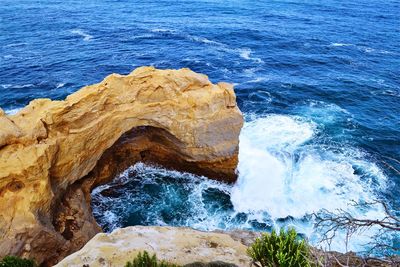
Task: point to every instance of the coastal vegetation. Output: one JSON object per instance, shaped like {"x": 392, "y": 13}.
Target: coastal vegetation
{"x": 280, "y": 249}
{"x": 13, "y": 261}
{"x": 273, "y": 249}
{"x": 145, "y": 260}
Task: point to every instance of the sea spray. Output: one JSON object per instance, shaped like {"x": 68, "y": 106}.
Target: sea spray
{"x": 285, "y": 175}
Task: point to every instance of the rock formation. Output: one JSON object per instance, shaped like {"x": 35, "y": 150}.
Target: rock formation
{"x": 177, "y": 245}
{"x": 192, "y": 248}
{"x": 52, "y": 153}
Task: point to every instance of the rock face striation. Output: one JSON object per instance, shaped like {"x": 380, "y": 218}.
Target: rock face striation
{"x": 176, "y": 245}
{"x": 52, "y": 153}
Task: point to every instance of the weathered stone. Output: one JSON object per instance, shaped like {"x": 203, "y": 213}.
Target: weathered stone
{"x": 174, "y": 244}
{"x": 191, "y": 248}
{"x": 52, "y": 153}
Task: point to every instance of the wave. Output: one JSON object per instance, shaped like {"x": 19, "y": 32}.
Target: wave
{"x": 244, "y": 53}
{"x": 363, "y": 48}
{"x": 17, "y": 86}
{"x": 142, "y": 36}
{"x": 340, "y": 44}
{"x": 79, "y": 32}
{"x": 60, "y": 85}
{"x": 283, "y": 173}
{"x": 156, "y": 199}
{"x": 301, "y": 178}
{"x": 258, "y": 80}
{"x": 162, "y": 30}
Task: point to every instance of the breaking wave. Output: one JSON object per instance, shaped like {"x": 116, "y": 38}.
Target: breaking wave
{"x": 285, "y": 175}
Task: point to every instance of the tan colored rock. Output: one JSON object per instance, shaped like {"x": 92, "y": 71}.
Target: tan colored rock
{"x": 52, "y": 153}
{"x": 183, "y": 246}
{"x": 177, "y": 245}
{"x": 9, "y": 131}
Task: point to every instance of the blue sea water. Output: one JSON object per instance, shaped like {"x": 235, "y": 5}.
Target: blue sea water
{"x": 318, "y": 82}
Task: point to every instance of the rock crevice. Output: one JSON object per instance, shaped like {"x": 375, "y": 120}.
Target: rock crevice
{"x": 52, "y": 153}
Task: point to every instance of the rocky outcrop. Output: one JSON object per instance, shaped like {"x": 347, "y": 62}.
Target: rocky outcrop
{"x": 52, "y": 153}
{"x": 177, "y": 245}
{"x": 192, "y": 248}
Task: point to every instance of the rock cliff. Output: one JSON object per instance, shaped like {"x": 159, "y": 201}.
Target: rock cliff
{"x": 52, "y": 153}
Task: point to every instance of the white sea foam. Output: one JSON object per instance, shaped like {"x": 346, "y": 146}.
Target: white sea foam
{"x": 280, "y": 175}
{"x": 246, "y": 54}
{"x": 340, "y": 44}
{"x": 150, "y": 175}
{"x": 206, "y": 41}
{"x": 80, "y": 32}
{"x": 17, "y": 86}
{"x": 324, "y": 113}
{"x": 282, "y": 172}
{"x": 363, "y": 48}
{"x": 367, "y": 49}
{"x": 59, "y": 85}
{"x": 258, "y": 79}
{"x": 162, "y": 30}
{"x": 142, "y": 36}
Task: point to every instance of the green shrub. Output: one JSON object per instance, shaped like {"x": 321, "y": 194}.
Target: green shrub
{"x": 280, "y": 250}
{"x": 144, "y": 260}
{"x": 12, "y": 261}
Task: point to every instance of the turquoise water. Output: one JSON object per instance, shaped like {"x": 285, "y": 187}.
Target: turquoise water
{"x": 317, "y": 81}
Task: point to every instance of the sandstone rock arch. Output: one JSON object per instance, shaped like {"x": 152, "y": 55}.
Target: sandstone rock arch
{"x": 52, "y": 153}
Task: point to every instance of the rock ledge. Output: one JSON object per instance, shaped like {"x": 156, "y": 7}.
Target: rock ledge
{"x": 177, "y": 245}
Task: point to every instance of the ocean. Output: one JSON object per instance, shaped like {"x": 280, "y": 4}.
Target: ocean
{"x": 318, "y": 83}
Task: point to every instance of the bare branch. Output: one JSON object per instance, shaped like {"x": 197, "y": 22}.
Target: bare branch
{"x": 330, "y": 223}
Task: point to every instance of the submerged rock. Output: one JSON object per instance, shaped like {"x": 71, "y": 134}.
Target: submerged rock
{"x": 183, "y": 246}
{"x": 52, "y": 153}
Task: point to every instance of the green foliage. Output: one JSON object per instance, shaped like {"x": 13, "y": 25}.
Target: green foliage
{"x": 144, "y": 260}
{"x": 280, "y": 250}
{"x": 12, "y": 261}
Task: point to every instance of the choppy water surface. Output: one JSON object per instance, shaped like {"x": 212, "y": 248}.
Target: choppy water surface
{"x": 317, "y": 81}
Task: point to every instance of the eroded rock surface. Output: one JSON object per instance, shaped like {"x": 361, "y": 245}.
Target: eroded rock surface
{"x": 52, "y": 153}
{"x": 177, "y": 245}
{"x": 192, "y": 248}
